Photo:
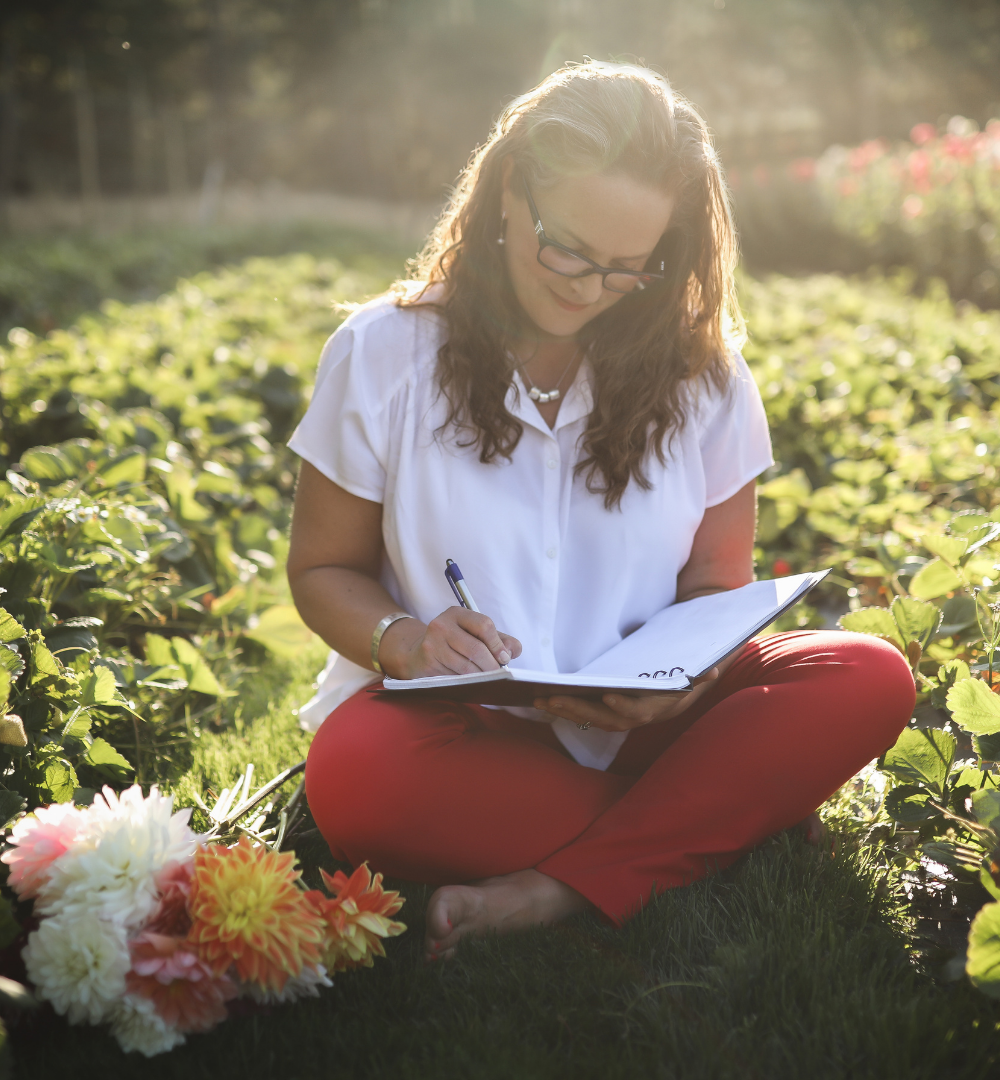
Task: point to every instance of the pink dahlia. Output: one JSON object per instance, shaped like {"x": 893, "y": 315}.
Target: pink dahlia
{"x": 37, "y": 841}
{"x": 183, "y": 989}
{"x": 174, "y": 884}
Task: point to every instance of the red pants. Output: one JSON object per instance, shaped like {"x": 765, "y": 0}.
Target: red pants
{"x": 444, "y": 793}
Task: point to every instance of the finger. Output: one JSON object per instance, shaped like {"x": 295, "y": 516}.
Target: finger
{"x": 482, "y": 627}
{"x": 708, "y": 676}
{"x": 640, "y": 709}
{"x": 578, "y": 711}
{"x": 513, "y": 645}
{"x": 473, "y": 649}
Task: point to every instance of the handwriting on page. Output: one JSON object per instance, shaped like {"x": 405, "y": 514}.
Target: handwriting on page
{"x": 661, "y": 674}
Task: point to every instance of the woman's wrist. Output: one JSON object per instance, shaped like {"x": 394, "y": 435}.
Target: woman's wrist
{"x": 396, "y": 647}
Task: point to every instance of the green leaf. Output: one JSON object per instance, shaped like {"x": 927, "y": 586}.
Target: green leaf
{"x": 916, "y": 620}
{"x": 982, "y": 963}
{"x": 127, "y": 468}
{"x": 18, "y": 515}
{"x": 987, "y": 882}
{"x": 972, "y": 777}
{"x": 974, "y": 708}
{"x": 949, "y": 548}
{"x": 865, "y": 567}
{"x": 986, "y": 807}
{"x": 909, "y": 803}
{"x": 872, "y": 620}
{"x": 44, "y": 665}
{"x": 107, "y": 761}
{"x": 11, "y": 804}
{"x": 99, "y": 688}
{"x": 987, "y": 746}
{"x": 956, "y": 614}
{"x": 922, "y": 755}
{"x": 281, "y": 631}
{"x": 10, "y": 661}
{"x": 5, "y": 685}
{"x": 158, "y": 651}
{"x": 60, "y": 779}
{"x": 10, "y": 628}
{"x": 78, "y": 726}
{"x": 934, "y": 579}
{"x": 47, "y": 463}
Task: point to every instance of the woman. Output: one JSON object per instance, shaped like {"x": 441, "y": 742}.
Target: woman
{"x": 557, "y": 402}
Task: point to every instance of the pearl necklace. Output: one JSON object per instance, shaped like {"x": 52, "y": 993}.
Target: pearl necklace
{"x": 543, "y": 397}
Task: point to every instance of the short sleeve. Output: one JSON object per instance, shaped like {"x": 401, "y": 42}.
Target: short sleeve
{"x": 341, "y": 433}
{"x": 735, "y": 442}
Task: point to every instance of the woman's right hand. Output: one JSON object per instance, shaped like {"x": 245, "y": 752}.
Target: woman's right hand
{"x": 457, "y": 642}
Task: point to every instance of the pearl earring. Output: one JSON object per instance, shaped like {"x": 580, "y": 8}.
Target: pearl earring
{"x": 503, "y": 228}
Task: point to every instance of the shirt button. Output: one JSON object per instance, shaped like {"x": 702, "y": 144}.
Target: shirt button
{"x": 552, "y": 463}
{"x": 551, "y": 553}
{"x": 546, "y": 642}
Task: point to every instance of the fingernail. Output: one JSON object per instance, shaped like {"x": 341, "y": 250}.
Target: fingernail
{"x": 611, "y": 700}
{"x": 504, "y": 657}
{"x": 448, "y": 921}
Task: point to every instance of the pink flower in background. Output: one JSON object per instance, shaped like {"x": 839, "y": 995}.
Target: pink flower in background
{"x": 803, "y": 168}
{"x": 862, "y": 156}
{"x": 39, "y": 839}
{"x": 959, "y": 147}
{"x": 913, "y": 206}
{"x": 847, "y": 186}
{"x": 185, "y": 992}
{"x": 919, "y": 164}
{"x": 923, "y": 133}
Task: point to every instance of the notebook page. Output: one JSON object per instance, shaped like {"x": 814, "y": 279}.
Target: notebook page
{"x": 686, "y": 638}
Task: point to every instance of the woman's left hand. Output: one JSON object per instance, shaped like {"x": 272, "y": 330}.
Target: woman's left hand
{"x": 622, "y": 712}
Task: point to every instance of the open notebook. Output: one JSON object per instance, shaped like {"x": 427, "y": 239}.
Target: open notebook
{"x": 676, "y": 645}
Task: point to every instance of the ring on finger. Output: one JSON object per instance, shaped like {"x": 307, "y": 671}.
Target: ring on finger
{"x": 583, "y": 727}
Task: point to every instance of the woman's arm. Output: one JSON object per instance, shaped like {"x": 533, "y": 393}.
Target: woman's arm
{"x": 721, "y": 559}
{"x": 333, "y": 568}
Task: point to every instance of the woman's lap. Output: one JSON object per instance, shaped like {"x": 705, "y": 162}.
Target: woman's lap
{"x": 439, "y": 792}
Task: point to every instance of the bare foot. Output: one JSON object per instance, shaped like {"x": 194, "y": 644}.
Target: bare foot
{"x": 512, "y": 902}
{"x": 813, "y": 830}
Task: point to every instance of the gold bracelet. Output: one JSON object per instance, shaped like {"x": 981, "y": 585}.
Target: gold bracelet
{"x": 384, "y": 625}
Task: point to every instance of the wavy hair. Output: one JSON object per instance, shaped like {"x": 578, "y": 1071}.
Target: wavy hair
{"x": 649, "y": 352}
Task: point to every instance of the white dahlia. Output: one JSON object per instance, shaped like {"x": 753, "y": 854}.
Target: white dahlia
{"x": 111, "y": 870}
{"x": 305, "y": 984}
{"x": 78, "y": 963}
{"x": 138, "y": 1026}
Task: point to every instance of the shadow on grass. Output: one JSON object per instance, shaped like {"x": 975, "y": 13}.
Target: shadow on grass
{"x": 787, "y": 965}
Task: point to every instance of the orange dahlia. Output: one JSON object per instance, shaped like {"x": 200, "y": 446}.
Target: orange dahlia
{"x": 357, "y": 918}
{"x": 248, "y": 910}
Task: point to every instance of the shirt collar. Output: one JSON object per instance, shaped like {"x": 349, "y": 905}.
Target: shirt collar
{"x": 577, "y": 403}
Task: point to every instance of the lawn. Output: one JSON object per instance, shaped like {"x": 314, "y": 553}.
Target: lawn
{"x": 796, "y": 962}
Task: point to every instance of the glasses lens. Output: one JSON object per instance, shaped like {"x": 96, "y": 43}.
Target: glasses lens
{"x": 625, "y": 282}
{"x": 563, "y": 262}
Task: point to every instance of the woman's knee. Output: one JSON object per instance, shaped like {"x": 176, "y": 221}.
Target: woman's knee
{"x": 364, "y": 762}
{"x": 883, "y": 691}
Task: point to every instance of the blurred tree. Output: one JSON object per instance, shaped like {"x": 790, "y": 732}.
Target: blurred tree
{"x": 388, "y": 97}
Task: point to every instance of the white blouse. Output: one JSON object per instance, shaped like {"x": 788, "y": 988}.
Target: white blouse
{"x": 542, "y": 556}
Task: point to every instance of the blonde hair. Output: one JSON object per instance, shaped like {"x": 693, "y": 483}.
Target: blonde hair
{"x": 648, "y": 352}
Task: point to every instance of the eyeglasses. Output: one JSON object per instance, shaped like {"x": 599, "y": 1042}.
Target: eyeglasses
{"x": 569, "y": 263}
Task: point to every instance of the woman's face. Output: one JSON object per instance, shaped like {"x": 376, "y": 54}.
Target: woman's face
{"x": 610, "y": 218}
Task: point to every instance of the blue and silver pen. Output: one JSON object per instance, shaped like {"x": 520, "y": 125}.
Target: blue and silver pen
{"x": 459, "y": 588}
